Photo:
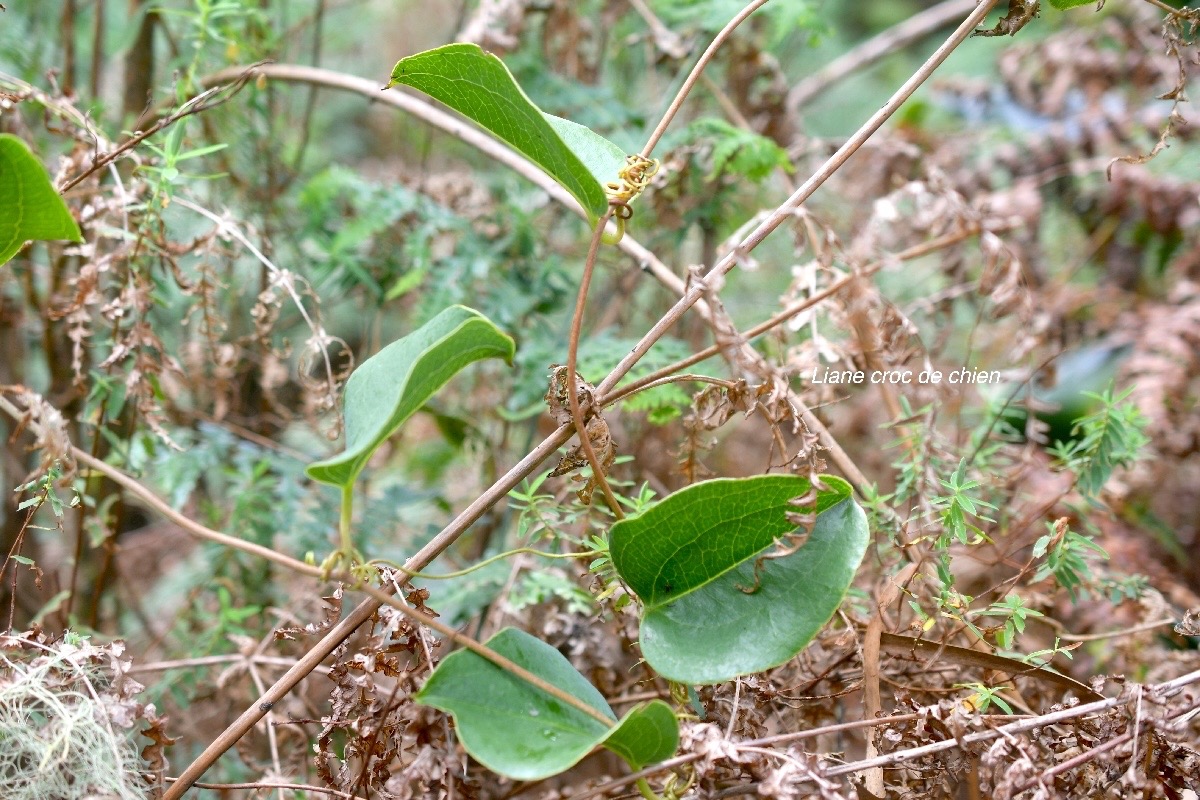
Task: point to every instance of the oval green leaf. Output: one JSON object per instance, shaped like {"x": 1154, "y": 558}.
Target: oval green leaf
{"x": 713, "y": 610}
{"x": 516, "y": 729}
{"x": 479, "y": 86}
{"x": 32, "y": 209}
{"x": 390, "y": 386}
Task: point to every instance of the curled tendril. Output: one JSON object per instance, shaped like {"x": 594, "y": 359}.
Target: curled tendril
{"x": 633, "y": 178}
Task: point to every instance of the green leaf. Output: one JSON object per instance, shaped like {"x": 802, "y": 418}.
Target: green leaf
{"x": 390, "y": 386}
{"x": 516, "y": 729}
{"x": 32, "y": 209}
{"x": 602, "y": 158}
{"x": 477, "y": 85}
{"x": 1063, "y": 5}
{"x": 712, "y": 610}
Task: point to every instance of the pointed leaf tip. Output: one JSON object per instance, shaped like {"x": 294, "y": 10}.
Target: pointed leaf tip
{"x": 390, "y": 386}
{"x": 32, "y": 208}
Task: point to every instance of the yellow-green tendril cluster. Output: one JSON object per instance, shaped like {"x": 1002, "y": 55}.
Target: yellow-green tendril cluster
{"x": 633, "y": 178}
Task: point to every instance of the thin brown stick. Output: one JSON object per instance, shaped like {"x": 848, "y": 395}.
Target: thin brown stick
{"x": 663, "y": 380}
{"x": 208, "y": 661}
{"x": 296, "y": 787}
{"x": 883, "y": 44}
{"x": 1175, "y": 12}
{"x": 1096, "y": 637}
{"x": 206, "y": 100}
{"x": 887, "y": 595}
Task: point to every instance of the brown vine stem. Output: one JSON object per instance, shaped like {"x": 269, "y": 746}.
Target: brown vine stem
{"x": 662, "y": 380}
{"x": 694, "y": 75}
{"x": 585, "y": 441}
{"x": 581, "y": 300}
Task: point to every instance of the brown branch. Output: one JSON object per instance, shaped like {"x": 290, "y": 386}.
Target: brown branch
{"x": 906, "y": 645}
{"x": 694, "y": 75}
{"x": 204, "y": 101}
{"x": 883, "y": 44}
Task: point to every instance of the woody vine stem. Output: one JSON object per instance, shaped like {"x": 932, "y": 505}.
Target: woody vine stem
{"x": 634, "y": 178}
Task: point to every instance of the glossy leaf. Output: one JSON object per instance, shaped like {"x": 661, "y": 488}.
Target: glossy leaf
{"x": 390, "y": 386}
{"x": 518, "y": 730}
{"x": 477, "y": 85}
{"x": 31, "y": 207}
{"x": 712, "y": 609}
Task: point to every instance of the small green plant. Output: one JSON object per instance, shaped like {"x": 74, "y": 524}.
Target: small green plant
{"x": 1068, "y": 557}
{"x": 1040, "y": 658}
{"x": 959, "y": 504}
{"x": 1109, "y": 438}
{"x": 984, "y": 697}
{"x": 1013, "y": 613}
